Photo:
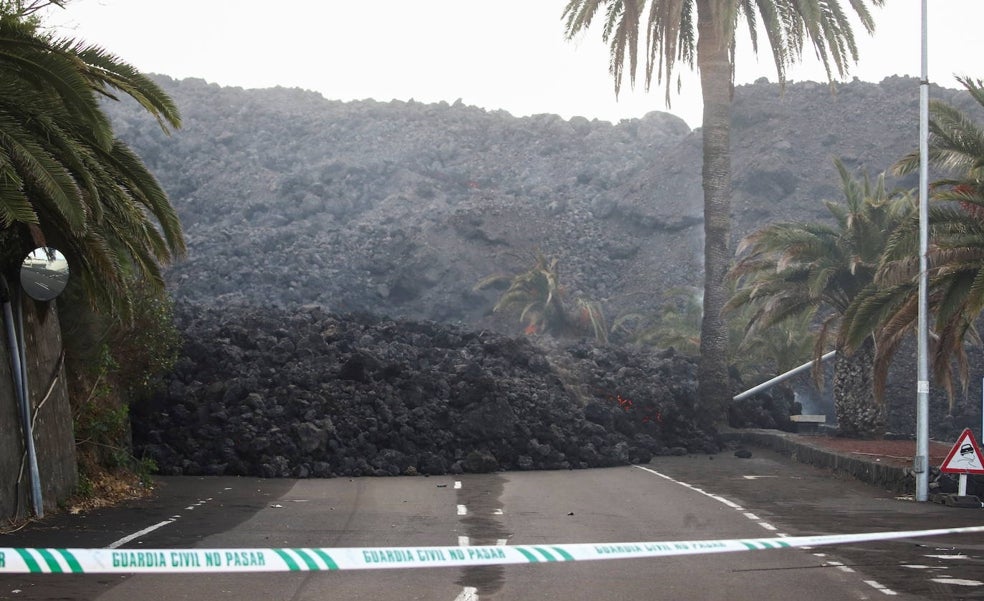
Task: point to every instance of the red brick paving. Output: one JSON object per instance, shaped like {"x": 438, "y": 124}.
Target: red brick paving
{"x": 891, "y": 452}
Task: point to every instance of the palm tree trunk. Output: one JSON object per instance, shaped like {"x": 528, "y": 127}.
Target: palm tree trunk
{"x": 858, "y": 414}
{"x": 714, "y": 63}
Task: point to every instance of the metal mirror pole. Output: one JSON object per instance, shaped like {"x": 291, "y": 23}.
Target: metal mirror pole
{"x": 19, "y": 372}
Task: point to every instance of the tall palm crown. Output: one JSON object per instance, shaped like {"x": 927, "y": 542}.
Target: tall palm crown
{"x": 704, "y": 30}
{"x": 816, "y": 271}
{"x": 65, "y": 180}
{"x": 786, "y": 270}
{"x": 955, "y": 255}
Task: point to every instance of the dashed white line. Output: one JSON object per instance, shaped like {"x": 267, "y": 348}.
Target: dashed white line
{"x": 958, "y": 581}
{"x": 469, "y": 593}
{"x": 131, "y": 537}
{"x": 138, "y": 534}
{"x": 751, "y": 516}
{"x": 717, "y": 498}
{"x": 880, "y": 587}
{"x": 840, "y": 566}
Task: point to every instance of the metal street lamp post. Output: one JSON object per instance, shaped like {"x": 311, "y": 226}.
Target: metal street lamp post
{"x": 921, "y": 461}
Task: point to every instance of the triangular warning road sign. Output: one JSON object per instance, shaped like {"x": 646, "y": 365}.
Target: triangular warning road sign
{"x": 965, "y": 456}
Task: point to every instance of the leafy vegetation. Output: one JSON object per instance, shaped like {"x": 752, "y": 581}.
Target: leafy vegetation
{"x": 113, "y": 363}
{"x": 67, "y": 181}
{"x": 537, "y": 297}
{"x": 814, "y": 272}
{"x": 756, "y": 356}
{"x": 955, "y": 255}
{"x": 677, "y": 325}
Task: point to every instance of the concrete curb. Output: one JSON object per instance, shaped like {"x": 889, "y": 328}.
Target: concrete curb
{"x": 901, "y": 480}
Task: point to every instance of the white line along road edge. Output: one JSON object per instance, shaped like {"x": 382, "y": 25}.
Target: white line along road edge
{"x": 164, "y": 561}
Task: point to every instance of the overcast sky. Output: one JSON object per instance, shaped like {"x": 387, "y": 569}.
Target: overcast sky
{"x": 496, "y": 54}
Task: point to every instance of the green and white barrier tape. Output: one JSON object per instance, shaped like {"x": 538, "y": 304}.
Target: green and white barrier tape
{"x": 171, "y": 561}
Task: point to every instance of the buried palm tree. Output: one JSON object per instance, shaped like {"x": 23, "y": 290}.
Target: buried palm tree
{"x": 788, "y": 270}
{"x": 955, "y": 256}
{"x": 538, "y": 298}
{"x": 764, "y": 352}
{"x": 685, "y": 30}
{"x": 677, "y": 325}
{"x": 755, "y": 356}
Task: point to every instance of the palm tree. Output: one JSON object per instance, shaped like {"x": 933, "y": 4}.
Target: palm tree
{"x": 65, "y": 180}
{"x": 788, "y": 270}
{"x": 677, "y": 324}
{"x": 685, "y": 30}
{"x": 539, "y": 299}
{"x": 955, "y": 256}
{"x": 768, "y": 351}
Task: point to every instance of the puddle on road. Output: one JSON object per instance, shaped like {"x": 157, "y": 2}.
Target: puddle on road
{"x": 482, "y": 496}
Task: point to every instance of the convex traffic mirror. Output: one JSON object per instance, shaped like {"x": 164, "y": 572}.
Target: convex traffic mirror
{"x": 44, "y": 273}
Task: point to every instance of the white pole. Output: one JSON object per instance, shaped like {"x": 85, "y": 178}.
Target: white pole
{"x": 921, "y": 461}
{"x": 768, "y": 384}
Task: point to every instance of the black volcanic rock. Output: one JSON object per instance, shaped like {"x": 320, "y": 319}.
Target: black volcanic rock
{"x": 384, "y": 397}
{"x": 291, "y": 203}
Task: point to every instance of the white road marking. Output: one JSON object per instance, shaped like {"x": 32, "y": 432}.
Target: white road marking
{"x": 502, "y": 542}
{"x": 470, "y": 593}
{"x": 463, "y": 541}
{"x": 462, "y": 510}
{"x": 138, "y": 534}
{"x": 840, "y": 566}
{"x": 959, "y": 556}
{"x": 717, "y": 498}
{"x": 957, "y": 581}
{"x": 457, "y": 484}
{"x": 497, "y": 512}
{"x": 880, "y": 587}
{"x": 757, "y": 477}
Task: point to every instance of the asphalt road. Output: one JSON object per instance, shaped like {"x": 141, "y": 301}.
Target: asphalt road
{"x": 673, "y": 498}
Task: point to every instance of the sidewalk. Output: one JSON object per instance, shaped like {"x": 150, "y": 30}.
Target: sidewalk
{"x": 887, "y": 464}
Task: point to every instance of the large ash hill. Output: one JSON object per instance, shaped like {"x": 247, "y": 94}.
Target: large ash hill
{"x": 399, "y": 208}
{"x": 294, "y": 204}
